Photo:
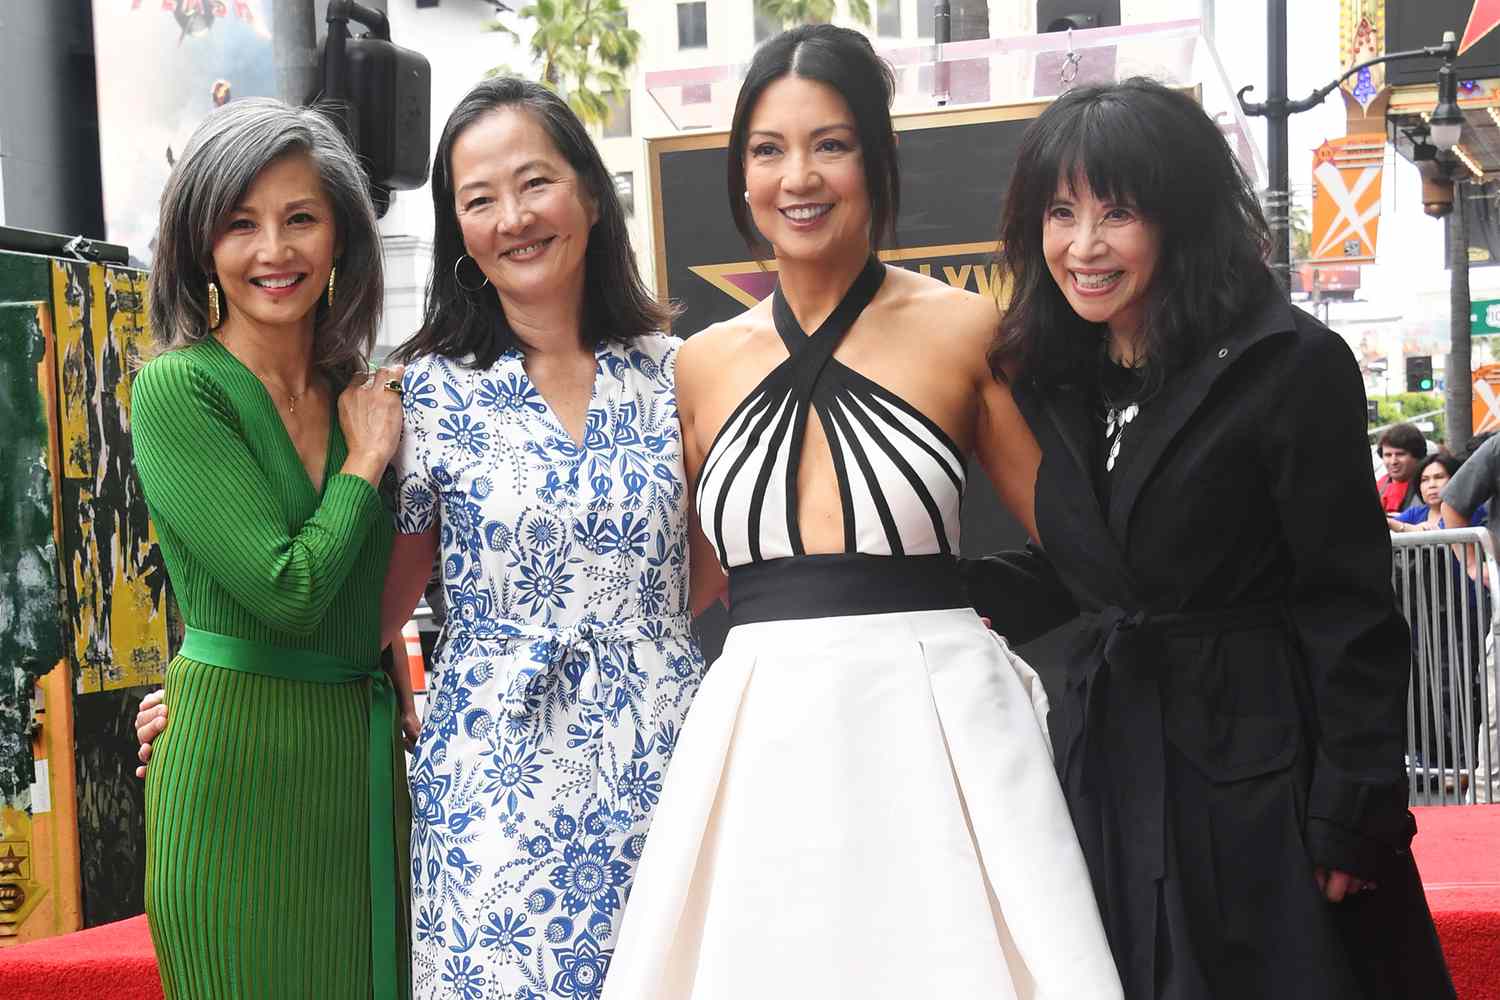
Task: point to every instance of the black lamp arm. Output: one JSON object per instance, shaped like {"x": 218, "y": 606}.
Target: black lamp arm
{"x": 1448, "y": 51}
{"x": 343, "y": 11}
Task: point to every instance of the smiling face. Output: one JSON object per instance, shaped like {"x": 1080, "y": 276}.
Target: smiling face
{"x": 1102, "y": 255}
{"x": 805, "y": 174}
{"x": 1400, "y": 464}
{"x": 524, "y": 213}
{"x": 274, "y": 253}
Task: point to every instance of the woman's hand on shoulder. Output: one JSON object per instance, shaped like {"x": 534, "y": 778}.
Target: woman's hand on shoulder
{"x": 370, "y": 415}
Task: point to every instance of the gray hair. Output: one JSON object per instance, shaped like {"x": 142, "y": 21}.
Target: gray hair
{"x": 222, "y": 159}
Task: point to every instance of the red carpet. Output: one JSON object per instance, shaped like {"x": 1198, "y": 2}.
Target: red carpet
{"x": 1458, "y": 851}
{"x": 112, "y": 962}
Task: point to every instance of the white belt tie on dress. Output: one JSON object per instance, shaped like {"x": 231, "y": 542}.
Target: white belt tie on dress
{"x": 553, "y": 647}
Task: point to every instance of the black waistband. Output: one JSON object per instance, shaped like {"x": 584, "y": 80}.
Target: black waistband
{"x": 827, "y": 586}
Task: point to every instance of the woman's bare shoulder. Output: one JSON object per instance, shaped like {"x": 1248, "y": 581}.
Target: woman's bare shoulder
{"x": 950, "y": 319}
{"x": 721, "y": 342}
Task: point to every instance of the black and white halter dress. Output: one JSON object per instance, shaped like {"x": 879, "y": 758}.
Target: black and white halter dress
{"x": 862, "y": 802}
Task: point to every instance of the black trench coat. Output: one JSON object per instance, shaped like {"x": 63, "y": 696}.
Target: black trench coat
{"x": 1233, "y": 708}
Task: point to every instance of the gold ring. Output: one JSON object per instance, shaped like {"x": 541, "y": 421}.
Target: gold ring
{"x": 393, "y": 385}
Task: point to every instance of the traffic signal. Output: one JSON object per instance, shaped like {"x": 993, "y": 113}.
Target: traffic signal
{"x": 381, "y": 95}
{"x": 1419, "y": 373}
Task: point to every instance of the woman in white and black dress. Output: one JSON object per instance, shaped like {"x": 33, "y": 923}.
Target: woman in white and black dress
{"x": 862, "y": 802}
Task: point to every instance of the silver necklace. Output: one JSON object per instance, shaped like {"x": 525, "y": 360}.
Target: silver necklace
{"x": 1116, "y": 417}
{"x": 1115, "y": 422}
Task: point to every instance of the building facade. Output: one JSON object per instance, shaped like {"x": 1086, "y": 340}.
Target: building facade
{"x": 675, "y": 35}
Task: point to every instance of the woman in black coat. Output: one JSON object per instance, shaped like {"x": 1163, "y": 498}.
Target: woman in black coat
{"x": 1230, "y": 730}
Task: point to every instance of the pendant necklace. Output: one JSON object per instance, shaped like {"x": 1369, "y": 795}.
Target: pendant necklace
{"x": 292, "y": 399}
{"x": 1117, "y": 416}
{"x": 1115, "y": 422}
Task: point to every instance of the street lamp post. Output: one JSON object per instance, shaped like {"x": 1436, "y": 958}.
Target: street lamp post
{"x": 942, "y": 32}
{"x": 1444, "y": 127}
{"x": 294, "y": 50}
{"x": 1458, "y": 393}
{"x": 1276, "y": 109}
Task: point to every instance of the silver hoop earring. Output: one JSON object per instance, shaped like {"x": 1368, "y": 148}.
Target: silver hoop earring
{"x": 460, "y": 281}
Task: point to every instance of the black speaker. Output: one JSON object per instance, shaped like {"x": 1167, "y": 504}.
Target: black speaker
{"x": 381, "y": 95}
{"x": 390, "y": 90}
{"x": 1080, "y": 15}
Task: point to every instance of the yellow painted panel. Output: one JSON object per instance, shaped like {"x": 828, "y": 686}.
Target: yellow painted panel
{"x": 117, "y": 594}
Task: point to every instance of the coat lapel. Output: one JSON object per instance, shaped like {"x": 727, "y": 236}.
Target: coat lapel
{"x": 1165, "y": 416}
{"x": 1067, "y": 412}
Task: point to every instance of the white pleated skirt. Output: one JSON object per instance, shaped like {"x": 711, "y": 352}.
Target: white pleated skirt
{"x": 863, "y": 807}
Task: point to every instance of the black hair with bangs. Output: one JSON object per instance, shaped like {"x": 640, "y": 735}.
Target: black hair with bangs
{"x": 844, "y": 60}
{"x": 1146, "y": 145}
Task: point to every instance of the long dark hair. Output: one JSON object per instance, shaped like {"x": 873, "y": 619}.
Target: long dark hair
{"x": 844, "y": 60}
{"x": 1147, "y": 145}
{"x": 458, "y": 321}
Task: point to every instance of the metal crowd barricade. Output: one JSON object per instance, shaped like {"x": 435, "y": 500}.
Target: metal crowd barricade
{"x": 1452, "y": 756}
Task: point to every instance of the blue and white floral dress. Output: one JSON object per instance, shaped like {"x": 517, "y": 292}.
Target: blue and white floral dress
{"x": 566, "y": 669}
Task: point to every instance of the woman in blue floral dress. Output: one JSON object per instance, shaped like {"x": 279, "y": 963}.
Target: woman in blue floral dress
{"x": 542, "y": 457}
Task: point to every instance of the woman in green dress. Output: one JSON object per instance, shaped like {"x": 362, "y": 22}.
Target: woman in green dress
{"x": 275, "y": 806}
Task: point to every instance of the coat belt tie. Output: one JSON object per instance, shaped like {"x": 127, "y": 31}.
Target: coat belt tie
{"x": 1115, "y": 748}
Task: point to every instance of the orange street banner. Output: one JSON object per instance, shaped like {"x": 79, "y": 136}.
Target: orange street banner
{"x": 1346, "y": 199}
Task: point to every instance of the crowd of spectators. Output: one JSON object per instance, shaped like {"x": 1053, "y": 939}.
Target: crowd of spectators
{"x": 1424, "y": 492}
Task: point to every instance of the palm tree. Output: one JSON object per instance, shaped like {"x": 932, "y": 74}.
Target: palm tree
{"x": 1297, "y": 218}
{"x": 790, "y": 13}
{"x": 585, "y": 50}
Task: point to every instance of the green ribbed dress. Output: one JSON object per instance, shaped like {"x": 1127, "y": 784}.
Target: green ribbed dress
{"x": 258, "y": 879}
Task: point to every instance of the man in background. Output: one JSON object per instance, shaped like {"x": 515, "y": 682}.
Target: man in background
{"x": 1402, "y": 449}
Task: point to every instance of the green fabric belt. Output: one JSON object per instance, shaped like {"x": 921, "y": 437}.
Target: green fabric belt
{"x": 252, "y": 657}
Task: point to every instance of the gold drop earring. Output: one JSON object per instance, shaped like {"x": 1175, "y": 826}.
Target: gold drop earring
{"x": 331, "y": 272}
{"x": 214, "y": 316}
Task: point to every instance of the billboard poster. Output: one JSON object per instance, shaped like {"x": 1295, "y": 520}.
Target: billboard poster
{"x": 162, "y": 65}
